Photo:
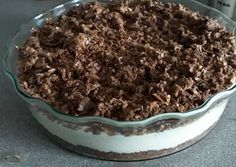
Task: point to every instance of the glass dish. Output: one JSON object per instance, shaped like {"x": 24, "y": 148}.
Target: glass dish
{"x": 121, "y": 140}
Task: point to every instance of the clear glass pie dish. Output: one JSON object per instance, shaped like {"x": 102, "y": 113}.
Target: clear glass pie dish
{"x": 121, "y": 140}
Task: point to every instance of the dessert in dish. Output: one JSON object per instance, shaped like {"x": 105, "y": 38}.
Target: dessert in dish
{"x": 125, "y": 80}
{"x": 128, "y": 60}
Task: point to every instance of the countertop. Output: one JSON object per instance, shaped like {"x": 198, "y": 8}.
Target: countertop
{"x": 23, "y": 143}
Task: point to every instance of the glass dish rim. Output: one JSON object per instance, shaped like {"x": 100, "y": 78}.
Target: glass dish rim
{"x": 79, "y": 119}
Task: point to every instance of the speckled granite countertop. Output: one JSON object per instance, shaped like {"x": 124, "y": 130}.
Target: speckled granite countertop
{"x": 21, "y": 136}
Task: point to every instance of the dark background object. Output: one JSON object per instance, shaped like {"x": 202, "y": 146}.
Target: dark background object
{"x": 225, "y": 6}
{"x": 228, "y": 7}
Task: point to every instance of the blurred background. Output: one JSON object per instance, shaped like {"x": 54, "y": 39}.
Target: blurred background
{"x": 228, "y": 7}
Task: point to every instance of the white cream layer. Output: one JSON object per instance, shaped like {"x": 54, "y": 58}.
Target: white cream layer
{"x": 130, "y": 144}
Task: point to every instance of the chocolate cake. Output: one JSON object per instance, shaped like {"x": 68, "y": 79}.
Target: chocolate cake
{"x": 127, "y": 60}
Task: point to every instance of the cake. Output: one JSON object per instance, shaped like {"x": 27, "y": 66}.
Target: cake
{"x": 128, "y": 61}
